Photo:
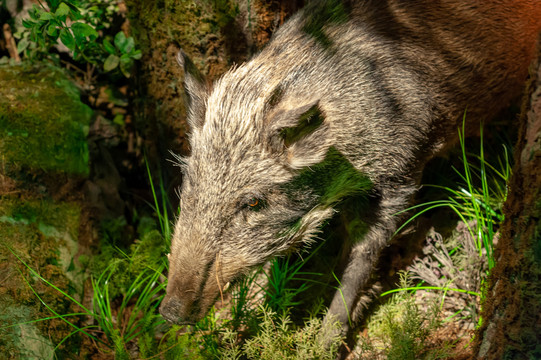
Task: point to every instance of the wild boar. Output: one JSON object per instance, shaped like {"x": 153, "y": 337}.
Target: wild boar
{"x": 350, "y": 99}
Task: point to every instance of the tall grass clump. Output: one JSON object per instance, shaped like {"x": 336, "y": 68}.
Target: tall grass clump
{"x": 478, "y": 200}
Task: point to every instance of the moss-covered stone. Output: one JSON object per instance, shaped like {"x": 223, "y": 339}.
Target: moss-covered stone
{"x": 43, "y": 123}
{"x": 43, "y": 235}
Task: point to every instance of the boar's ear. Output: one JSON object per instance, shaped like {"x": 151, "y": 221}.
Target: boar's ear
{"x": 301, "y": 132}
{"x": 196, "y": 91}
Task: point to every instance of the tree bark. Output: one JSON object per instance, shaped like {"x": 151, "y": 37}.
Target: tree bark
{"x": 512, "y": 311}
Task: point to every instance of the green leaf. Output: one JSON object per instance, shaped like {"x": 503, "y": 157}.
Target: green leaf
{"x": 28, "y": 24}
{"x": 136, "y": 54}
{"x": 74, "y": 9}
{"x": 67, "y": 39}
{"x": 53, "y": 4}
{"x": 111, "y": 62}
{"x": 125, "y": 58}
{"x": 33, "y": 35}
{"x": 62, "y": 10}
{"x": 34, "y": 12}
{"x": 108, "y": 46}
{"x": 126, "y": 64}
{"x": 52, "y": 30}
{"x": 22, "y": 45}
{"x": 128, "y": 47}
{"x": 120, "y": 40}
{"x": 119, "y": 119}
{"x": 83, "y": 30}
{"x": 45, "y": 15}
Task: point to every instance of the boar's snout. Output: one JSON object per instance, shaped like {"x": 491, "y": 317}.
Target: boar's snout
{"x": 174, "y": 310}
{"x": 170, "y": 310}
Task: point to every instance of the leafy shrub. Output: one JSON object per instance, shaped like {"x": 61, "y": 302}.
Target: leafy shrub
{"x": 74, "y": 25}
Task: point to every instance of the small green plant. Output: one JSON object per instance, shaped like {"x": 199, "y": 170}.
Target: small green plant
{"x": 49, "y": 24}
{"x": 122, "y": 53}
{"x": 70, "y": 24}
{"x": 278, "y": 338}
{"x": 281, "y": 293}
{"x": 137, "y": 317}
{"x": 402, "y": 330}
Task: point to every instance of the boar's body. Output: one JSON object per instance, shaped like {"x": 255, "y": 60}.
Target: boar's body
{"x": 348, "y": 98}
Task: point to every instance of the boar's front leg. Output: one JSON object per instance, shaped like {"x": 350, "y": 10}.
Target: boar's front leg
{"x": 365, "y": 252}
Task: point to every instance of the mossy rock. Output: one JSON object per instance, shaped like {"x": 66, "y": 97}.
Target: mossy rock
{"x": 43, "y": 235}
{"x": 43, "y": 123}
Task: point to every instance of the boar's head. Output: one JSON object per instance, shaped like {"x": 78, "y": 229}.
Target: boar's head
{"x": 250, "y": 189}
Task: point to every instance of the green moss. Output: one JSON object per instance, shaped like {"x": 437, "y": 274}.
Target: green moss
{"x": 23, "y": 341}
{"x": 43, "y": 234}
{"x": 43, "y": 124}
{"x": 46, "y": 214}
{"x": 190, "y": 23}
{"x": 529, "y": 283}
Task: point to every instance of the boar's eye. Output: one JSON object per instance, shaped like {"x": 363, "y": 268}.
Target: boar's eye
{"x": 255, "y": 204}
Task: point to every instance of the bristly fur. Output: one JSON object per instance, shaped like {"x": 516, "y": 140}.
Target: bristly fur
{"x": 349, "y": 99}
{"x": 179, "y": 161}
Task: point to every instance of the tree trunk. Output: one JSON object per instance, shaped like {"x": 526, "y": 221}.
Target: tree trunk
{"x": 512, "y": 311}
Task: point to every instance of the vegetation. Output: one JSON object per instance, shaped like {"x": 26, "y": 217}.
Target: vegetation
{"x": 253, "y": 321}
{"x": 447, "y": 284}
{"x": 76, "y": 25}
{"x": 37, "y": 130}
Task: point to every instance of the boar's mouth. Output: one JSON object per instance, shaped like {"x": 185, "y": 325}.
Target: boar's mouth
{"x": 171, "y": 310}
{"x": 186, "y": 309}
{"x": 189, "y": 298}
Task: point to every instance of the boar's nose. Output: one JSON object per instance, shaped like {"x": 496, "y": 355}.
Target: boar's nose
{"x": 171, "y": 310}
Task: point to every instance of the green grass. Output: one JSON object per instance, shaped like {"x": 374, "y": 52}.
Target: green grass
{"x": 470, "y": 202}
{"x": 282, "y": 289}
{"x": 113, "y": 327}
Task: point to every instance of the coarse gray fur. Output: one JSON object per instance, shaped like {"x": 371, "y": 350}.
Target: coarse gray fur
{"x": 382, "y": 83}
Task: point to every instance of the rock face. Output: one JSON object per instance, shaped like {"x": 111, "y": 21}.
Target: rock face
{"x": 43, "y": 124}
{"x": 43, "y": 150}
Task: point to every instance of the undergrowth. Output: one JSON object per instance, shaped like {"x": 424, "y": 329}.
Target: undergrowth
{"x": 446, "y": 284}
{"x": 402, "y": 330}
